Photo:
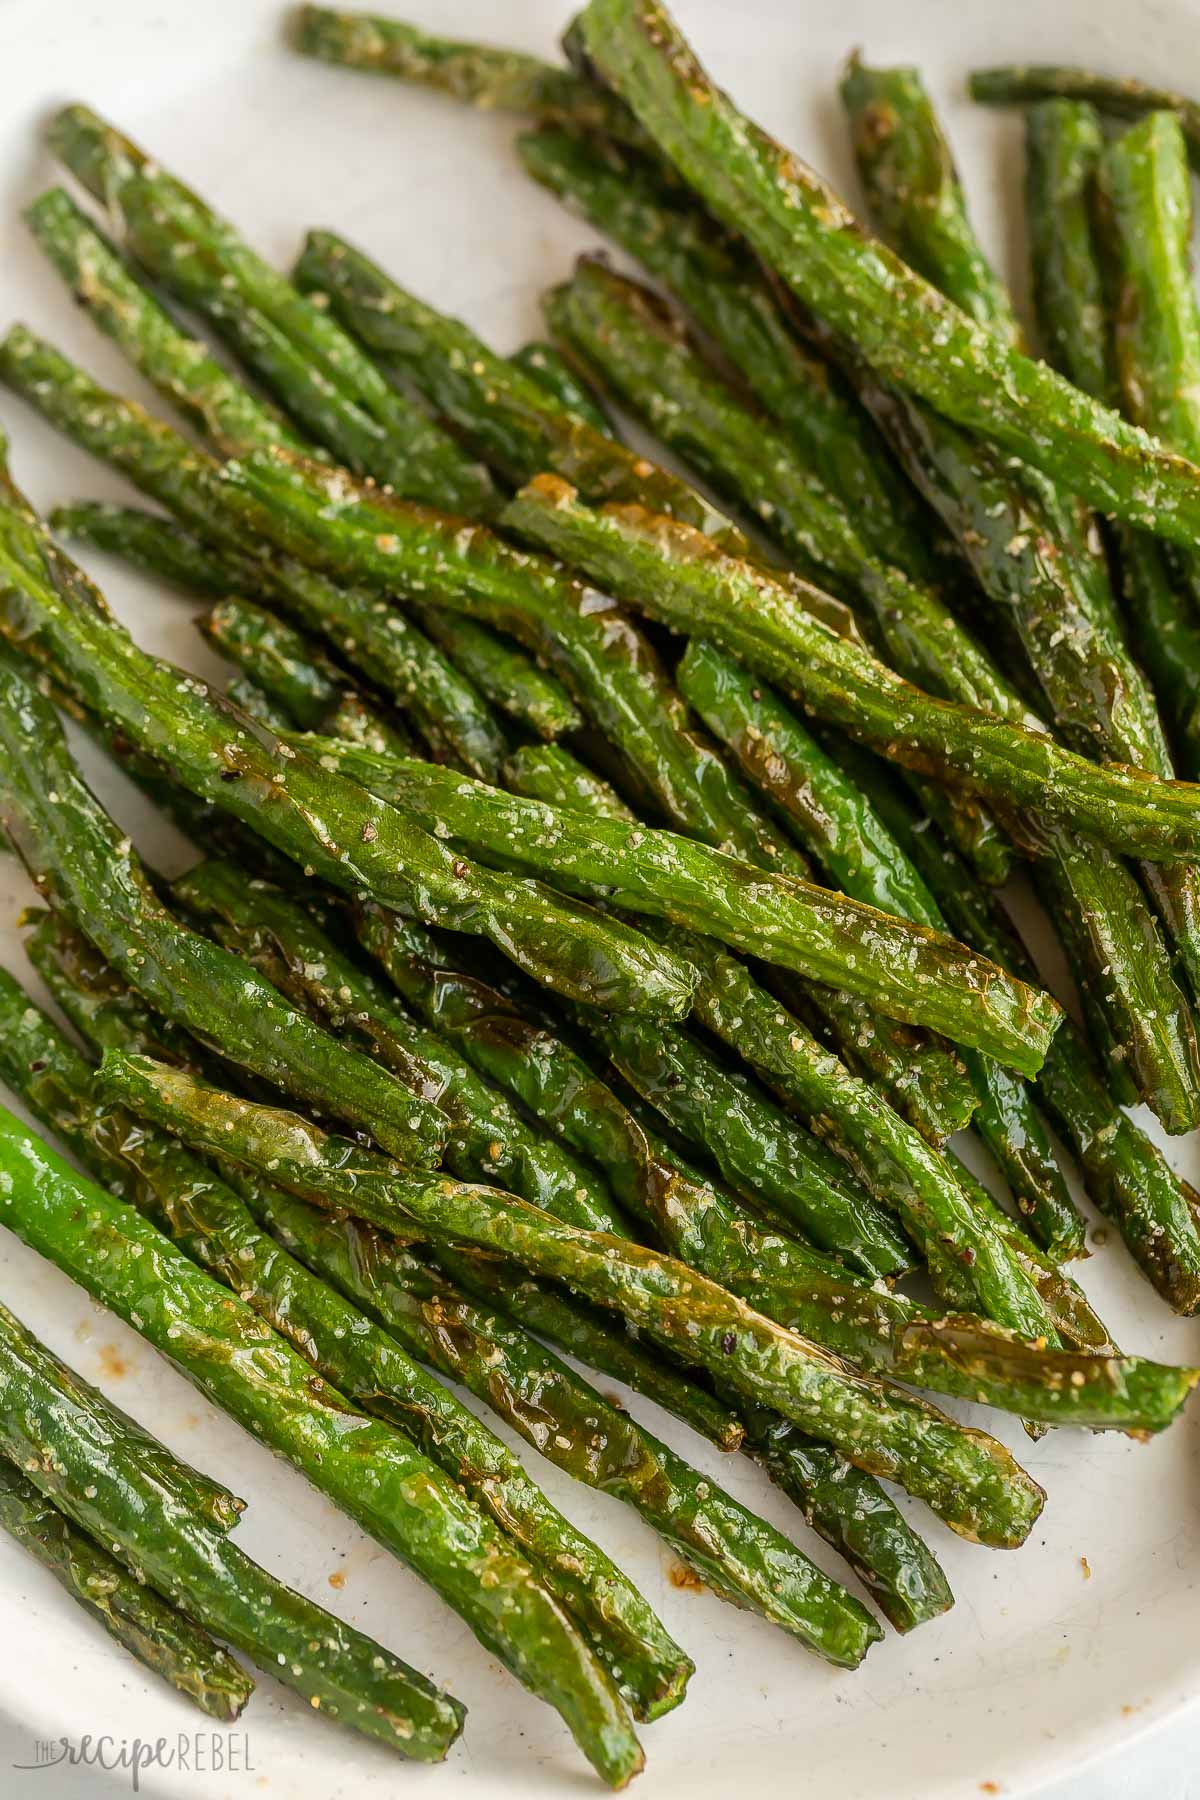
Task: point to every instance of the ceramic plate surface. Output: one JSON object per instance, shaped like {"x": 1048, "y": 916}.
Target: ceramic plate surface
{"x": 1039, "y": 1665}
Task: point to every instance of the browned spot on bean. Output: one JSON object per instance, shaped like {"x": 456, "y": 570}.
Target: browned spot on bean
{"x": 681, "y": 1576}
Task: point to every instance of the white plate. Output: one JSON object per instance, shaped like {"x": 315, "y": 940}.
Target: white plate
{"x": 1037, "y": 1666}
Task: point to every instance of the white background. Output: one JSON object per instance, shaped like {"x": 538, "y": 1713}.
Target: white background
{"x": 1161, "y": 1765}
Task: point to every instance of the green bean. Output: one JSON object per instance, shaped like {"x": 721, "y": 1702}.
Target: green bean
{"x": 503, "y": 80}
{"x": 807, "y": 236}
{"x": 969, "y": 1479}
{"x": 810, "y": 930}
{"x": 79, "y": 1455}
